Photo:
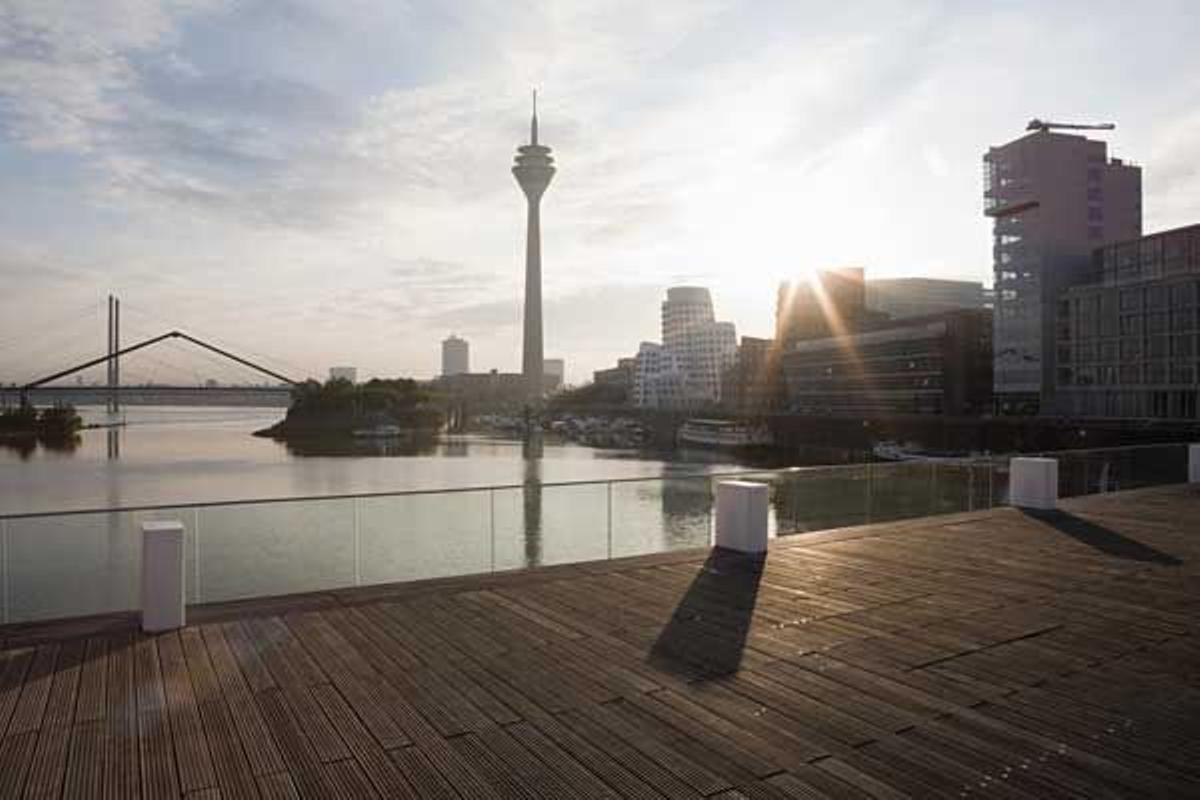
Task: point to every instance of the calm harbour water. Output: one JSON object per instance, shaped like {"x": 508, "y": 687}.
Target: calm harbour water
{"x": 61, "y": 566}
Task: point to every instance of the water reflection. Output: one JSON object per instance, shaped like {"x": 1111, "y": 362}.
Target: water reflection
{"x": 531, "y": 453}
{"x": 26, "y": 445}
{"x": 417, "y": 445}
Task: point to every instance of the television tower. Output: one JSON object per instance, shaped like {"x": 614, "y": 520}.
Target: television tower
{"x": 533, "y": 170}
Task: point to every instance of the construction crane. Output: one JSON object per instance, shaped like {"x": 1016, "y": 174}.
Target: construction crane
{"x": 1036, "y": 124}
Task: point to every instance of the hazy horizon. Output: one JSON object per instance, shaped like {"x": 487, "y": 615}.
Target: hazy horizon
{"x": 330, "y": 184}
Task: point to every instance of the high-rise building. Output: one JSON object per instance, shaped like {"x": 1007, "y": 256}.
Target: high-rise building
{"x": 918, "y": 297}
{"x": 1054, "y": 198}
{"x": 555, "y": 370}
{"x": 533, "y": 170}
{"x": 343, "y": 374}
{"x": 456, "y": 356}
{"x": 830, "y": 303}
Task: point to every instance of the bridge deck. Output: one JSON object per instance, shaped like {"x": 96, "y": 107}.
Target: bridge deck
{"x": 994, "y": 654}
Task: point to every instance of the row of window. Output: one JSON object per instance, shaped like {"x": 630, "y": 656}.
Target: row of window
{"x": 1160, "y": 404}
{"x": 1151, "y": 373}
{"x": 1129, "y": 349}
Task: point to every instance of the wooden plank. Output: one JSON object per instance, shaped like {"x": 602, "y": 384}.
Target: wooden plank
{"x": 358, "y": 685}
{"x": 91, "y": 703}
{"x": 252, "y": 732}
{"x": 156, "y": 753}
{"x": 277, "y": 786}
{"x": 121, "y": 761}
{"x": 85, "y": 770}
{"x": 368, "y": 752}
{"x": 231, "y": 767}
{"x": 50, "y": 756}
{"x": 16, "y": 754}
{"x": 14, "y": 664}
{"x": 192, "y": 757}
{"x": 35, "y": 691}
{"x": 294, "y": 688}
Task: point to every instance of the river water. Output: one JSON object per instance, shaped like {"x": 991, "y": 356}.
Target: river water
{"x": 88, "y": 563}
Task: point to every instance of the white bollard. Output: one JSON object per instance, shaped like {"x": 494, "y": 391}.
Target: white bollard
{"x": 162, "y": 576}
{"x": 1033, "y": 483}
{"x": 741, "y": 516}
{"x": 1194, "y": 463}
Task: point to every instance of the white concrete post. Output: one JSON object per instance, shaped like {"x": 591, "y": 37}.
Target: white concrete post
{"x": 741, "y": 516}
{"x": 162, "y": 576}
{"x": 1033, "y": 483}
{"x": 1194, "y": 463}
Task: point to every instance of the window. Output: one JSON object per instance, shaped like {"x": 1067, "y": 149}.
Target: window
{"x": 1131, "y": 325}
{"x": 1183, "y": 295}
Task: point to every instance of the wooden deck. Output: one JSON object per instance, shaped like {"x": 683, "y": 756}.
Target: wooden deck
{"x": 989, "y": 655}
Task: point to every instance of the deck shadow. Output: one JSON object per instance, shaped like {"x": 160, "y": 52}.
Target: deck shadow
{"x": 1101, "y": 538}
{"x": 706, "y": 634}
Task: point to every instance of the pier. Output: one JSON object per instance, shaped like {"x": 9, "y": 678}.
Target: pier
{"x": 998, "y": 653}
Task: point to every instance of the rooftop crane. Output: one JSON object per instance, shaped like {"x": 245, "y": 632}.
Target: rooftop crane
{"x": 1036, "y": 124}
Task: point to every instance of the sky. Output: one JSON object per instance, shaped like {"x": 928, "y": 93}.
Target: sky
{"x": 321, "y": 183}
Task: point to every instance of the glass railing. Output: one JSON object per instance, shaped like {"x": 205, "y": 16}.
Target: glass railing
{"x": 86, "y": 562}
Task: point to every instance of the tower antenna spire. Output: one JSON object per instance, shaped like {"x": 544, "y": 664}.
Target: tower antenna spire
{"x": 533, "y": 122}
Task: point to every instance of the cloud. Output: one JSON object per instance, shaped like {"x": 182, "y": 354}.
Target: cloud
{"x": 332, "y": 182}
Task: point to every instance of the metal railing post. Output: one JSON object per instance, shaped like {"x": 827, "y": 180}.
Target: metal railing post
{"x": 970, "y": 487}
{"x": 933, "y": 498}
{"x": 610, "y": 520}
{"x": 196, "y": 555}
{"x": 4, "y": 571}
{"x": 991, "y": 484}
{"x": 357, "y": 543}
{"x": 870, "y": 491}
{"x": 492, "y": 528}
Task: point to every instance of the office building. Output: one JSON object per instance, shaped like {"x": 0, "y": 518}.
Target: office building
{"x": 829, "y": 303}
{"x": 1053, "y": 199}
{"x": 456, "y": 356}
{"x": 940, "y": 364}
{"x": 1127, "y": 343}
{"x": 343, "y": 374}
{"x": 554, "y": 370}
{"x": 900, "y": 298}
{"x": 533, "y": 170}
{"x": 753, "y": 384}
{"x": 621, "y": 375}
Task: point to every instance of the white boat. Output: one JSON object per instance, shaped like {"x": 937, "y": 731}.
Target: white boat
{"x": 379, "y": 432}
{"x": 893, "y": 451}
{"x": 723, "y": 433}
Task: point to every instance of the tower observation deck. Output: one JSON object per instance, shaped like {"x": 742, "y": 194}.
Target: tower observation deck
{"x": 534, "y": 168}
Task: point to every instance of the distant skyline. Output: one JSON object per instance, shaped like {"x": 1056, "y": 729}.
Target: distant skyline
{"x": 329, "y": 183}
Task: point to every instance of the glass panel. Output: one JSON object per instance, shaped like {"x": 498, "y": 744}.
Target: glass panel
{"x": 658, "y": 515}
{"x": 564, "y": 524}
{"x": 271, "y": 548}
{"x": 822, "y": 498}
{"x": 902, "y": 490}
{"x": 412, "y": 537}
{"x": 69, "y": 566}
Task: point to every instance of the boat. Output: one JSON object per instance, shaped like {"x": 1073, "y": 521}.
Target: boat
{"x": 723, "y": 433}
{"x": 379, "y": 432}
{"x": 893, "y": 451}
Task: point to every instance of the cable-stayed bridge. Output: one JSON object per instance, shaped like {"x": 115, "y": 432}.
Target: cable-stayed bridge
{"x": 173, "y": 380}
